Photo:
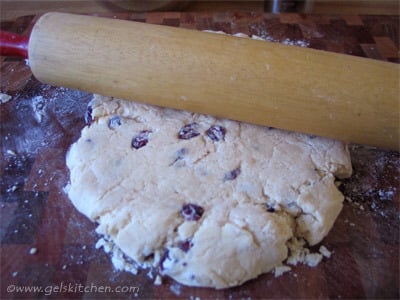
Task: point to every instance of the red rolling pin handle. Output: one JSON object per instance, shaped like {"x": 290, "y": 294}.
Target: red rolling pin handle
{"x": 12, "y": 44}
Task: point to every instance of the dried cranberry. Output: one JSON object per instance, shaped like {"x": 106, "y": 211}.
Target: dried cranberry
{"x": 189, "y": 131}
{"x": 186, "y": 245}
{"x": 88, "y": 115}
{"x": 232, "y": 174}
{"x": 140, "y": 140}
{"x": 192, "y": 212}
{"x": 216, "y": 133}
{"x": 114, "y": 122}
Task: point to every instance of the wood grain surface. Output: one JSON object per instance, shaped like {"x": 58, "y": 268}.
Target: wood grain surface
{"x": 40, "y": 122}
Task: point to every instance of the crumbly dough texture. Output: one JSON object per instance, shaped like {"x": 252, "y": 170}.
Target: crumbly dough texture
{"x": 211, "y": 202}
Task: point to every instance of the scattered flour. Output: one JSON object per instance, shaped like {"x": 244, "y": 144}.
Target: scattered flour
{"x": 158, "y": 280}
{"x": 38, "y": 105}
{"x": 266, "y": 37}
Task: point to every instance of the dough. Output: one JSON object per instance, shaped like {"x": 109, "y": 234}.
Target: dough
{"x": 212, "y": 202}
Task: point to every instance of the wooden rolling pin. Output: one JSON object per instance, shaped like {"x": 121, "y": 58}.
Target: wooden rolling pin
{"x": 334, "y": 95}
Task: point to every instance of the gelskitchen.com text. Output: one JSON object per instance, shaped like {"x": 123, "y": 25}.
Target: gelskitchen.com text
{"x": 63, "y": 288}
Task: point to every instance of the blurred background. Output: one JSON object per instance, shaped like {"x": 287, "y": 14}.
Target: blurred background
{"x": 12, "y": 9}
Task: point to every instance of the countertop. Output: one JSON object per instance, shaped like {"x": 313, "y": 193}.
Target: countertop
{"x": 48, "y": 247}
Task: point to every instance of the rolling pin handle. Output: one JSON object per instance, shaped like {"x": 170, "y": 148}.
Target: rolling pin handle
{"x": 12, "y": 44}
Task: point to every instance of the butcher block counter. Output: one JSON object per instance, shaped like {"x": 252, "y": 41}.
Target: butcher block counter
{"x": 48, "y": 247}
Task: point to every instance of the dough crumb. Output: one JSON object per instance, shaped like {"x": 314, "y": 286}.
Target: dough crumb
{"x": 120, "y": 263}
{"x": 297, "y": 251}
{"x": 301, "y": 254}
{"x": 106, "y": 245}
{"x": 278, "y": 271}
{"x": 118, "y": 259}
{"x": 12, "y": 189}
{"x": 313, "y": 259}
{"x": 4, "y": 98}
{"x": 325, "y": 252}
{"x": 33, "y": 251}
{"x": 11, "y": 152}
{"x": 158, "y": 280}
{"x": 176, "y": 289}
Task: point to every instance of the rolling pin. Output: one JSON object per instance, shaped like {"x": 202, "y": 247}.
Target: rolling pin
{"x": 327, "y": 94}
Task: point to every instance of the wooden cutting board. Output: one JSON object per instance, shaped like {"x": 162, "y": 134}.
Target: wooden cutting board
{"x": 40, "y": 122}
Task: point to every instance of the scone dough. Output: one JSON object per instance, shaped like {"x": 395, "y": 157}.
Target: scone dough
{"x": 212, "y": 202}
